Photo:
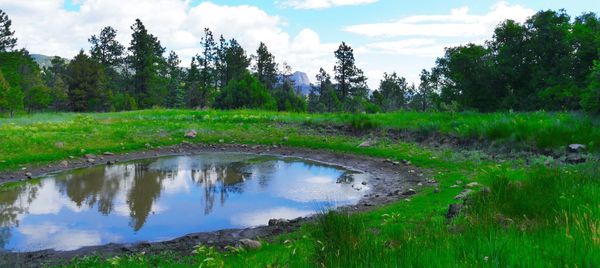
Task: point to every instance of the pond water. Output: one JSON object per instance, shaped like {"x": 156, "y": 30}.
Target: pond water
{"x": 164, "y": 198}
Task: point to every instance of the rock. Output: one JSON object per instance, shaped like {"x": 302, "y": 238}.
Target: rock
{"x": 108, "y": 154}
{"x": 91, "y": 160}
{"x": 249, "y": 243}
{"x": 454, "y": 186}
{"x": 387, "y": 160}
{"x": 396, "y": 163}
{"x": 191, "y": 134}
{"x": 90, "y": 156}
{"x": 275, "y": 222}
{"x": 463, "y": 194}
{"x": 575, "y": 159}
{"x": 28, "y": 175}
{"x": 453, "y": 210}
{"x": 71, "y": 157}
{"x": 409, "y": 192}
{"x": 367, "y": 143}
{"x": 364, "y": 183}
{"x": 472, "y": 185}
{"x": 285, "y": 138}
{"x": 436, "y": 190}
{"x": 503, "y": 220}
{"x": 575, "y": 148}
{"x": 110, "y": 163}
{"x": 486, "y": 190}
{"x": 63, "y": 164}
{"x": 406, "y": 162}
{"x": 459, "y": 182}
{"x": 420, "y": 184}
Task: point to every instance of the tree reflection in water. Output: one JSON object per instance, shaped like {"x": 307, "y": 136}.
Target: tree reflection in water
{"x": 126, "y": 195}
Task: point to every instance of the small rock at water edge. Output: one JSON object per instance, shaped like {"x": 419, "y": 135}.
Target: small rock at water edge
{"x": 453, "y": 210}
{"x": 90, "y": 156}
{"x": 576, "y": 148}
{"x": 107, "y": 154}
{"x": 249, "y": 243}
{"x": 91, "y": 160}
{"x": 367, "y": 143}
{"x": 64, "y": 164}
{"x": 409, "y": 192}
{"x": 191, "y": 134}
{"x": 463, "y": 194}
{"x": 472, "y": 184}
{"x": 28, "y": 174}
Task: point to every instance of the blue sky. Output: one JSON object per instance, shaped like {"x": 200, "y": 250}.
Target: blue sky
{"x": 387, "y": 35}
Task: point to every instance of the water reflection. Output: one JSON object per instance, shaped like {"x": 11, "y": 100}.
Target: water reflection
{"x": 164, "y": 198}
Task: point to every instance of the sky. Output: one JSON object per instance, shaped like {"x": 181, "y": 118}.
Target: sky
{"x": 387, "y": 35}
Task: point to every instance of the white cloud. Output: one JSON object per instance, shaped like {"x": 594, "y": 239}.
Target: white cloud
{"x": 459, "y": 23}
{"x": 320, "y": 4}
{"x": 45, "y": 27}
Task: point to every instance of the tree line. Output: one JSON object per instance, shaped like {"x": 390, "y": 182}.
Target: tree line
{"x": 549, "y": 62}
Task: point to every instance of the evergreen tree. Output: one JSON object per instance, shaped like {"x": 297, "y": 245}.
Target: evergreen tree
{"x": 265, "y": 67}
{"x": 207, "y": 81}
{"x": 147, "y": 62}
{"x": 106, "y": 49}
{"x": 236, "y": 61}
{"x": 175, "y": 80}
{"x": 54, "y": 78}
{"x": 392, "y": 92}
{"x": 323, "y": 97}
{"x": 86, "y": 84}
{"x": 7, "y": 39}
{"x": 193, "y": 88}
{"x": 351, "y": 82}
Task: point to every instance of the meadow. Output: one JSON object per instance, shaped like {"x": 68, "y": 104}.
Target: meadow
{"x": 534, "y": 212}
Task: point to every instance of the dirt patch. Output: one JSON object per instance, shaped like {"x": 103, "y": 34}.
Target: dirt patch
{"x": 388, "y": 180}
{"x": 485, "y": 149}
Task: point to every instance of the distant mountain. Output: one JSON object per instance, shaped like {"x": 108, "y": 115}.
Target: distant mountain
{"x": 43, "y": 60}
{"x": 301, "y": 83}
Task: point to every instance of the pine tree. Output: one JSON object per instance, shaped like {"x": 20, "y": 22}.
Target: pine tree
{"x": 175, "y": 76}
{"x": 236, "y": 61}
{"x": 265, "y": 67}
{"x": 86, "y": 84}
{"x": 351, "y": 87}
{"x": 7, "y": 39}
{"x": 207, "y": 80}
{"x": 106, "y": 49}
{"x": 147, "y": 62}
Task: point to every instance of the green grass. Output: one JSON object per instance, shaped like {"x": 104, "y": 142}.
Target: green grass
{"x": 533, "y": 216}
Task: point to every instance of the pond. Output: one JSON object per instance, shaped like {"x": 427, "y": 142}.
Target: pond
{"x": 164, "y": 198}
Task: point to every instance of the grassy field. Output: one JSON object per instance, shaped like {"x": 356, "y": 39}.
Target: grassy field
{"x": 543, "y": 214}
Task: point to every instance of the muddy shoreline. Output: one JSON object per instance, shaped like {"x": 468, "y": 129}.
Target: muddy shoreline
{"x": 388, "y": 181}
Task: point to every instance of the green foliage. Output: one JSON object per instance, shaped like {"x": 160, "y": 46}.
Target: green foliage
{"x": 392, "y": 92}
{"x": 7, "y": 39}
{"x": 147, "y": 62}
{"x": 86, "y": 85}
{"x": 287, "y": 99}
{"x": 590, "y": 100}
{"x": 359, "y": 123}
{"x": 247, "y": 92}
